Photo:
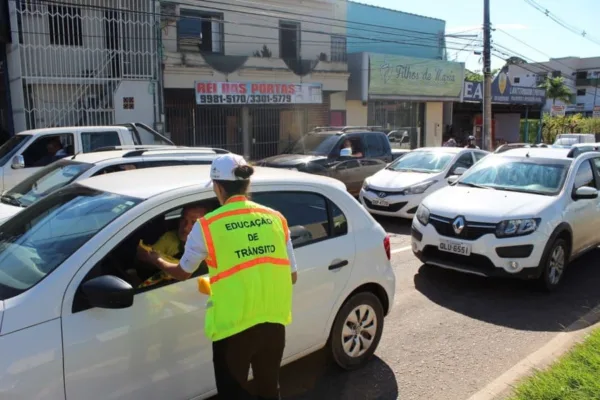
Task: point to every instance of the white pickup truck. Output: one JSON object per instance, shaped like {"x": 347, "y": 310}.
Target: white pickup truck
{"x": 28, "y": 151}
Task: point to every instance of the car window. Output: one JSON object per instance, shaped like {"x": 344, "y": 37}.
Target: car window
{"x": 479, "y": 155}
{"x": 45, "y": 181}
{"x": 374, "y": 146}
{"x": 95, "y": 140}
{"x": 464, "y": 161}
{"x": 38, "y": 239}
{"x": 162, "y": 234}
{"x": 585, "y": 176}
{"x": 8, "y": 149}
{"x": 307, "y": 214}
{"x": 369, "y": 162}
{"x": 422, "y": 161}
{"x": 348, "y": 165}
{"x": 125, "y": 166}
{"x": 596, "y": 162}
{"x": 518, "y": 175}
{"x": 46, "y": 149}
{"x": 161, "y": 163}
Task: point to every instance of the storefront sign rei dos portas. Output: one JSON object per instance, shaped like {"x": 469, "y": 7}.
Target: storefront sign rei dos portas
{"x": 236, "y": 93}
{"x": 503, "y": 92}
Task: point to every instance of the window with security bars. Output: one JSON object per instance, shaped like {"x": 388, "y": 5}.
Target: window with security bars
{"x": 338, "y": 49}
{"x": 65, "y": 25}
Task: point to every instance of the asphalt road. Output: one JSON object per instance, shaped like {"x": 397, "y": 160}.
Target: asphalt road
{"x": 449, "y": 334}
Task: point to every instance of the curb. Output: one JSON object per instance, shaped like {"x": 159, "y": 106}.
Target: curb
{"x": 502, "y": 386}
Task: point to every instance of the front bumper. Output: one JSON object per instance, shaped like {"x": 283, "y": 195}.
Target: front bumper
{"x": 517, "y": 257}
{"x": 399, "y": 205}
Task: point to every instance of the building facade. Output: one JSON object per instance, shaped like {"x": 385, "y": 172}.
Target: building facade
{"x": 581, "y": 75}
{"x": 252, "y": 78}
{"x": 88, "y": 62}
{"x": 399, "y": 77}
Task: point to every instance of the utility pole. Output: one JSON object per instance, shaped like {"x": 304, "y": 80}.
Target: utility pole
{"x": 486, "y": 134}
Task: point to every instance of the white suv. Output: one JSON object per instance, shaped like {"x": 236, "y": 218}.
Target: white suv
{"x": 524, "y": 213}
{"x": 62, "y": 172}
{"x": 75, "y": 326}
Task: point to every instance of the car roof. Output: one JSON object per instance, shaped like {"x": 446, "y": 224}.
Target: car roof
{"x": 148, "y": 182}
{"x": 66, "y": 129}
{"x": 452, "y": 150}
{"x": 585, "y": 144}
{"x": 537, "y": 152}
{"x": 100, "y": 156}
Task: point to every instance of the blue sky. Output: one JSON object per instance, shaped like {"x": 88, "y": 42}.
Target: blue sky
{"x": 517, "y": 18}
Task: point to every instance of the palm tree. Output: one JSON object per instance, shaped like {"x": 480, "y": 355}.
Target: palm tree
{"x": 556, "y": 89}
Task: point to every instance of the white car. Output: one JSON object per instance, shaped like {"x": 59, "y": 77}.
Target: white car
{"x": 524, "y": 213}
{"x": 27, "y": 151}
{"x": 71, "y": 169}
{"x": 74, "y": 327}
{"x": 397, "y": 190}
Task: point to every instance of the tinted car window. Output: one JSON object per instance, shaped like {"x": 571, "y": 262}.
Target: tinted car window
{"x": 464, "y": 161}
{"x": 95, "y": 140}
{"x": 307, "y": 215}
{"x": 478, "y": 155}
{"x": 374, "y": 146}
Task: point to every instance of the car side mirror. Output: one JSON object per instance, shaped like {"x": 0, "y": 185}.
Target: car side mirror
{"x": 108, "y": 291}
{"x": 585, "y": 192}
{"x": 458, "y": 171}
{"x": 18, "y": 162}
{"x": 452, "y": 179}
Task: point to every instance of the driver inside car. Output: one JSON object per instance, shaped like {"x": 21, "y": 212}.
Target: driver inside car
{"x": 170, "y": 244}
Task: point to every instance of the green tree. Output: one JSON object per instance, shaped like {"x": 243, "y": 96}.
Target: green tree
{"x": 556, "y": 89}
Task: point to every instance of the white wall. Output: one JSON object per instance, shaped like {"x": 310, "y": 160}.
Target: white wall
{"x": 356, "y": 113}
{"x": 143, "y": 102}
{"x": 245, "y": 33}
{"x": 337, "y": 101}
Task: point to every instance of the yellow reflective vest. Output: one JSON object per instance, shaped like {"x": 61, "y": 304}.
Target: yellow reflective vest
{"x": 249, "y": 268}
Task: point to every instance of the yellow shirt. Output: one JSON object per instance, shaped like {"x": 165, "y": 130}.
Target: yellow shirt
{"x": 168, "y": 244}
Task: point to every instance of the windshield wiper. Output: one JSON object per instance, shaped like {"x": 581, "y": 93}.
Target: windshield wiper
{"x": 475, "y": 185}
{"x": 10, "y": 199}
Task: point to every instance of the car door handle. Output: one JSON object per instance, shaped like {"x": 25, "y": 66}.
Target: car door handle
{"x": 338, "y": 265}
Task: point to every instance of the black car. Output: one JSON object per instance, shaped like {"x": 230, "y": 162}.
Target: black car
{"x": 318, "y": 150}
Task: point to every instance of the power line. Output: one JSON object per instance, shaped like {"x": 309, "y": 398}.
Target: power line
{"x": 562, "y": 23}
{"x": 245, "y": 24}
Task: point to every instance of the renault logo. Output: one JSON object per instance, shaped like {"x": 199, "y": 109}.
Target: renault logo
{"x": 381, "y": 194}
{"x": 458, "y": 225}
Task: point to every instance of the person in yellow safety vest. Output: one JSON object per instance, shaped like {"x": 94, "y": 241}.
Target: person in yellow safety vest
{"x": 252, "y": 268}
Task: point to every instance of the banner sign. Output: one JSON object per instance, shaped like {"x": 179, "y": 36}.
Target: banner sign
{"x": 408, "y": 76}
{"x": 503, "y": 92}
{"x": 596, "y": 112}
{"x": 558, "y": 111}
{"x": 219, "y": 93}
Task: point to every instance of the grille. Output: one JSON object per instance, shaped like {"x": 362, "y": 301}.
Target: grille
{"x": 375, "y": 191}
{"x": 392, "y": 208}
{"x": 473, "y": 262}
{"x": 471, "y": 231}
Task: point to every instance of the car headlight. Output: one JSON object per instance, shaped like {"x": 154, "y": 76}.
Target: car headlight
{"x": 365, "y": 185}
{"x": 422, "y": 215}
{"x": 419, "y": 188}
{"x": 517, "y": 227}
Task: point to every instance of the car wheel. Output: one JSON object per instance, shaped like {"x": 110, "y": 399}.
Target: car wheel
{"x": 357, "y": 331}
{"x": 554, "y": 264}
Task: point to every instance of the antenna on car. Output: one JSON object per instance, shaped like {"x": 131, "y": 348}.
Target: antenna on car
{"x": 78, "y": 153}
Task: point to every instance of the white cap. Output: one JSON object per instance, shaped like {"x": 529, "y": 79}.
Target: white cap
{"x": 223, "y": 166}
{"x": 346, "y": 152}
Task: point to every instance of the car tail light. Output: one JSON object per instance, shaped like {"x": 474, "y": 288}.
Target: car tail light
{"x": 386, "y": 246}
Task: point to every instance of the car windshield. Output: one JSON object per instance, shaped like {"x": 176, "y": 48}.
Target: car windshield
{"x": 568, "y": 140}
{"x": 40, "y": 238}
{"x": 518, "y": 175}
{"x": 422, "y": 161}
{"x": 8, "y": 149}
{"x": 314, "y": 144}
{"x": 44, "y": 182}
